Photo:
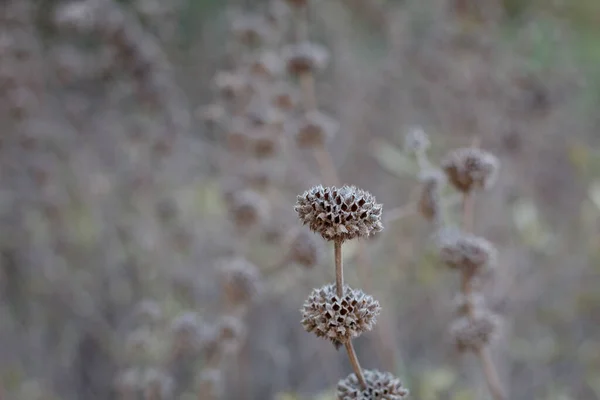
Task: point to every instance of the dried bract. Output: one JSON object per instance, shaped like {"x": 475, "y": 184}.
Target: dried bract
{"x": 380, "y": 385}
{"x": 241, "y": 280}
{"x": 305, "y": 57}
{"x": 470, "y": 333}
{"x": 314, "y": 129}
{"x": 469, "y": 169}
{"x": 339, "y": 214}
{"x": 467, "y": 253}
{"x": 339, "y": 319}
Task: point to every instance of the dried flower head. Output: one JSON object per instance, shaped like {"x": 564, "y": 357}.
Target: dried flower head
{"x": 339, "y": 214}
{"x": 284, "y": 97}
{"x": 265, "y": 144}
{"x": 416, "y": 141}
{"x": 470, "y": 333}
{"x": 305, "y": 250}
{"x": 241, "y": 280}
{"x": 230, "y": 332}
{"x": 468, "y": 169}
{"x": 380, "y": 385}
{"x": 189, "y": 333}
{"x": 429, "y": 204}
{"x": 339, "y": 319}
{"x": 314, "y": 129}
{"x": 251, "y": 29}
{"x": 304, "y": 58}
{"x": 248, "y": 208}
{"x": 467, "y": 253}
{"x": 267, "y": 65}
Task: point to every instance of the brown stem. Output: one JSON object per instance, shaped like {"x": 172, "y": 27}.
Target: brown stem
{"x": 307, "y": 85}
{"x": 491, "y": 376}
{"x": 339, "y": 268}
{"x": 355, "y": 364}
{"x": 467, "y": 206}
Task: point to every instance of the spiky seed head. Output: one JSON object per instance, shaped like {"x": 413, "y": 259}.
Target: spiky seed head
{"x": 232, "y": 85}
{"x": 314, "y": 129}
{"x": 210, "y": 383}
{"x": 339, "y": 319}
{"x": 470, "y": 168}
{"x": 306, "y": 57}
{"x": 251, "y": 29}
{"x": 248, "y": 208}
{"x": 305, "y": 250}
{"x": 416, "y": 141}
{"x": 188, "y": 332}
{"x": 231, "y": 332}
{"x": 467, "y": 253}
{"x": 240, "y": 279}
{"x": 470, "y": 333}
{"x": 157, "y": 384}
{"x": 339, "y": 213}
{"x": 267, "y": 65}
{"x": 380, "y": 385}
{"x": 429, "y": 204}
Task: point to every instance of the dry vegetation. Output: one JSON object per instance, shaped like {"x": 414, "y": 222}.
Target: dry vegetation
{"x": 152, "y": 243}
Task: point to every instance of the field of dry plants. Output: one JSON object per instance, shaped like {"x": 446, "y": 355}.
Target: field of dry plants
{"x": 299, "y": 199}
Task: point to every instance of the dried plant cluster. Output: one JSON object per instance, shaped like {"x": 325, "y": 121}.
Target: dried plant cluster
{"x": 467, "y": 170}
{"x": 337, "y": 312}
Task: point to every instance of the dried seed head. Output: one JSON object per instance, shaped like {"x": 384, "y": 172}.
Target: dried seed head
{"x": 380, "y": 385}
{"x": 305, "y": 250}
{"x": 210, "y": 384}
{"x": 471, "y": 333}
{"x": 240, "y": 279}
{"x": 467, "y": 253}
{"x": 265, "y": 144}
{"x": 157, "y": 384}
{"x": 339, "y": 319}
{"x": 469, "y": 169}
{"x": 267, "y": 65}
{"x": 304, "y": 58}
{"x": 189, "y": 333}
{"x": 314, "y": 129}
{"x": 232, "y": 85}
{"x": 231, "y": 332}
{"x": 339, "y": 214}
{"x": 416, "y": 141}
{"x": 284, "y": 97}
{"x": 462, "y": 303}
{"x": 248, "y": 208}
{"x": 251, "y": 30}
{"x": 429, "y": 204}
{"x": 237, "y": 134}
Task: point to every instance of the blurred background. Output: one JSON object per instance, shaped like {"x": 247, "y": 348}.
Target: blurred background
{"x": 150, "y": 160}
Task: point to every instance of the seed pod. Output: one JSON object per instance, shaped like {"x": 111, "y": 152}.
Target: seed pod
{"x": 467, "y": 253}
{"x": 470, "y": 333}
{"x": 240, "y": 280}
{"x": 380, "y": 385}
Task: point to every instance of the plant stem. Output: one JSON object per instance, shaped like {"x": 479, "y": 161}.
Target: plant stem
{"x": 339, "y": 268}
{"x": 355, "y": 364}
{"x": 489, "y": 369}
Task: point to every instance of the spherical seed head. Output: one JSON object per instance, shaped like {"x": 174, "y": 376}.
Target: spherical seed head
{"x": 429, "y": 204}
{"x": 265, "y": 145}
{"x": 380, "y": 385}
{"x": 339, "y": 214}
{"x": 251, "y": 30}
{"x": 305, "y": 250}
{"x": 240, "y": 279}
{"x": 416, "y": 141}
{"x": 469, "y": 169}
{"x": 339, "y": 319}
{"x": 230, "y": 331}
{"x": 306, "y": 57}
{"x": 188, "y": 331}
{"x": 468, "y": 253}
{"x": 248, "y": 208}
{"x": 471, "y": 333}
{"x": 314, "y": 129}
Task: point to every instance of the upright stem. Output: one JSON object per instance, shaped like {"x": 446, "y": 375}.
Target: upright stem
{"x": 339, "y": 269}
{"x": 355, "y": 364}
{"x": 489, "y": 369}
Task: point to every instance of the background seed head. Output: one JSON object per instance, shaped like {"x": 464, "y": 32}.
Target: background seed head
{"x": 305, "y": 250}
{"x": 469, "y": 169}
{"x": 471, "y": 333}
{"x": 251, "y": 29}
{"x": 430, "y": 202}
{"x": 380, "y": 385}
{"x": 267, "y": 65}
{"x": 416, "y": 141}
{"x": 188, "y": 331}
{"x": 465, "y": 252}
{"x": 305, "y": 57}
{"x": 210, "y": 384}
{"x": 241, "y": 280}
{"x": 314, "y": 129}
{"x": 232, "y": 85}
{"x": 157, "y": 384}
{"x": 248, "y": 208}
{"x": 339, "y": 214}
{"x": 230, "y": 332}
{"x": 339, "y": 319}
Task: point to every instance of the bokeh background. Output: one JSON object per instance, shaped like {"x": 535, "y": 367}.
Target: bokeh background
{"x": 117, "y": 180}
